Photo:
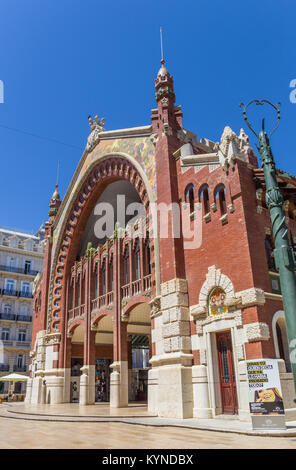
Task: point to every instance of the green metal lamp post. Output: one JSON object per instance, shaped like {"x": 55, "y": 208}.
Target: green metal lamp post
{"x": 283, "y": 254}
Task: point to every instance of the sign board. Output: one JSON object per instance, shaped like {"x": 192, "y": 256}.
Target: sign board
{"x": 265, "y": 394}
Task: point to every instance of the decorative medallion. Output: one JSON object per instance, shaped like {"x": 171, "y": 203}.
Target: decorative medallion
{"x": 217, "y": 302}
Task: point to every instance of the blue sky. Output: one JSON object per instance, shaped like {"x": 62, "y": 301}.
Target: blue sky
{"x": 61, "y": 60}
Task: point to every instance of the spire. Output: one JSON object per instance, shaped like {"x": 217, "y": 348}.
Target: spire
{"x": 54, "y": 204}
{"x": 56, "y": 194}
{"x": 164, "y": 83}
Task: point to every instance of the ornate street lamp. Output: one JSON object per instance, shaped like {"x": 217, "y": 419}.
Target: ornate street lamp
{"x": 283, "y": 254}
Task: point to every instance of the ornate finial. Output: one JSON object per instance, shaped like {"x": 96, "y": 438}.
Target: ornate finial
{"x": 261, "y": 103}
{"x": 96, "y": 123}
{"x": 97, "y": 126}
{"x": 90, "y": 251}
{"x": 55, "y": 196}
{"x": 161, "y": 47}
{"x": 162, "y": 71}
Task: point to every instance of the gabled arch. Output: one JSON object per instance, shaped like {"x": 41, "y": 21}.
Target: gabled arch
{"x": 99, "y": 175}
{"x": 215, "y": 278}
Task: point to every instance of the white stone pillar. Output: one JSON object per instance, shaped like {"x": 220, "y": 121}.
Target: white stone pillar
{"x": 67, "y": 385}
{"x": 91, "y": 384}
{"x": 201, "y": 399}
{"x": 43, "y": 393}
{"x": 36, "y": 390}
{"x": 119, "y": 384}
{"x": 83, "y": 392}
{"x": 87, "y": 385}
{"x": 28, "y": 391}
{"x": 54, "y": 389}
{"x": 243, "y": 393}
{"x": 173, "y": 357}
{"x": 152, "y": 390}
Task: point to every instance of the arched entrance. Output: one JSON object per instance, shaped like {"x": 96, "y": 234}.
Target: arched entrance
{"x": 77, "y": 361}
{"x": 108, "y": 267}
{"x": 139, "y": 349}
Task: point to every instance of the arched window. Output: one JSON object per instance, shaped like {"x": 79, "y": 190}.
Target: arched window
{"x": 78, "y": 290}
{"x": 137, "y": 260}
{"x": 269, "y": 253}
{"x": 148, "y": 258}
{"x": 96, "y": 282}
{"x": 189, "y": 197}
{"x": 220, "y": 194}
{"x": 126, "y": 267}
{"x": 111, "y": 275}
{"x": 204, "y": 198}
{"x": 217, "y": 302}
{"x": 281, "y": 341}
{"x": 104, "y": 278}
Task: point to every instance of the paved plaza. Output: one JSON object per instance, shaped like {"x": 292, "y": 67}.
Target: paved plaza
{"x": 98, "y": 427}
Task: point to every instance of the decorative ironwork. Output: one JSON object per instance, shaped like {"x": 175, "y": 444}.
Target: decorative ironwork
{"x": 261, "y": 103}
{"x": 284, "y": 253}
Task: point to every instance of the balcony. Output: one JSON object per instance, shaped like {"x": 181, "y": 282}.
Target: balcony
{"x": 24, "y": 318}
{"x": 76, "y": 311}
{"x": 16, "y": 293}
{"x": 22, "y": 344}
{"x": 12, "y": 343}
{"x": 14, "y": 317}
{"x": 19, "y": 368}
{"x": 26, "y": 295}
{"x": 103, "y": 301}
{"x": 29, "y": 272}
{"x": 8, "y": 316}
{"x": 138, "y": 287}
{"x": 4, "y": 367}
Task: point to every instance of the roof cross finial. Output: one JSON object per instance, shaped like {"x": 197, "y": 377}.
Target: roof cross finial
{"x": 161, "y": 47}
{"x": 58, "y": 174}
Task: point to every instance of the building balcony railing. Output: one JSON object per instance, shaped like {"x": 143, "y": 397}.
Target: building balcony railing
{"x": 12, "y": 343}
{"x": 103, "y": 301}
{"x": 4, "y": 367}
{"x": 14, "y": 317}
{"x": 11, "y": 269}
{"x": 140, "y": 286}
{"x": 24, "y": 318}
{"x": 16, "y": 293}
{"x": 8, "y": 316}
{"x": 21, "y": 246}
{"x": 19, "y": 368}
{"x": 76, "y": 311}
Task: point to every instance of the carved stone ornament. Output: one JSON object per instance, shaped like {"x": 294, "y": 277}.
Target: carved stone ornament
{"x": 167, "y": 130}
{"x": 232, "y": 146}
{"x": 257, "y": 332}
{"x": 155, "y": 306}
{"x": 154, "y": 138}
{"x": 97, "y": 126}
{"x": 53, "y": 338}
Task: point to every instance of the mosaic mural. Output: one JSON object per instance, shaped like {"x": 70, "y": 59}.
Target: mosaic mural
{"x": 141, "y": 148}
{"x": 216, "y": 302}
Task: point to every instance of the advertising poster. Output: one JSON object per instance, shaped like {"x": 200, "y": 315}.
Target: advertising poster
{"x": 265, "y": 394}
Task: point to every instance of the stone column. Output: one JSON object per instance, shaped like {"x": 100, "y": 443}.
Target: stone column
{"x": 201, "y": 399}
{"x": 130, "y": 369}
{"x": 119, "y": 375}
{"x": 54, "y": 389}
{"x": 87, "y": 379}
{"x": 175, "y": 392}
{"x": 29, "y": 390}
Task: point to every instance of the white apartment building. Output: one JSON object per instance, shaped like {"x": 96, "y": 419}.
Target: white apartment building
{"x": 21, "y": 259}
